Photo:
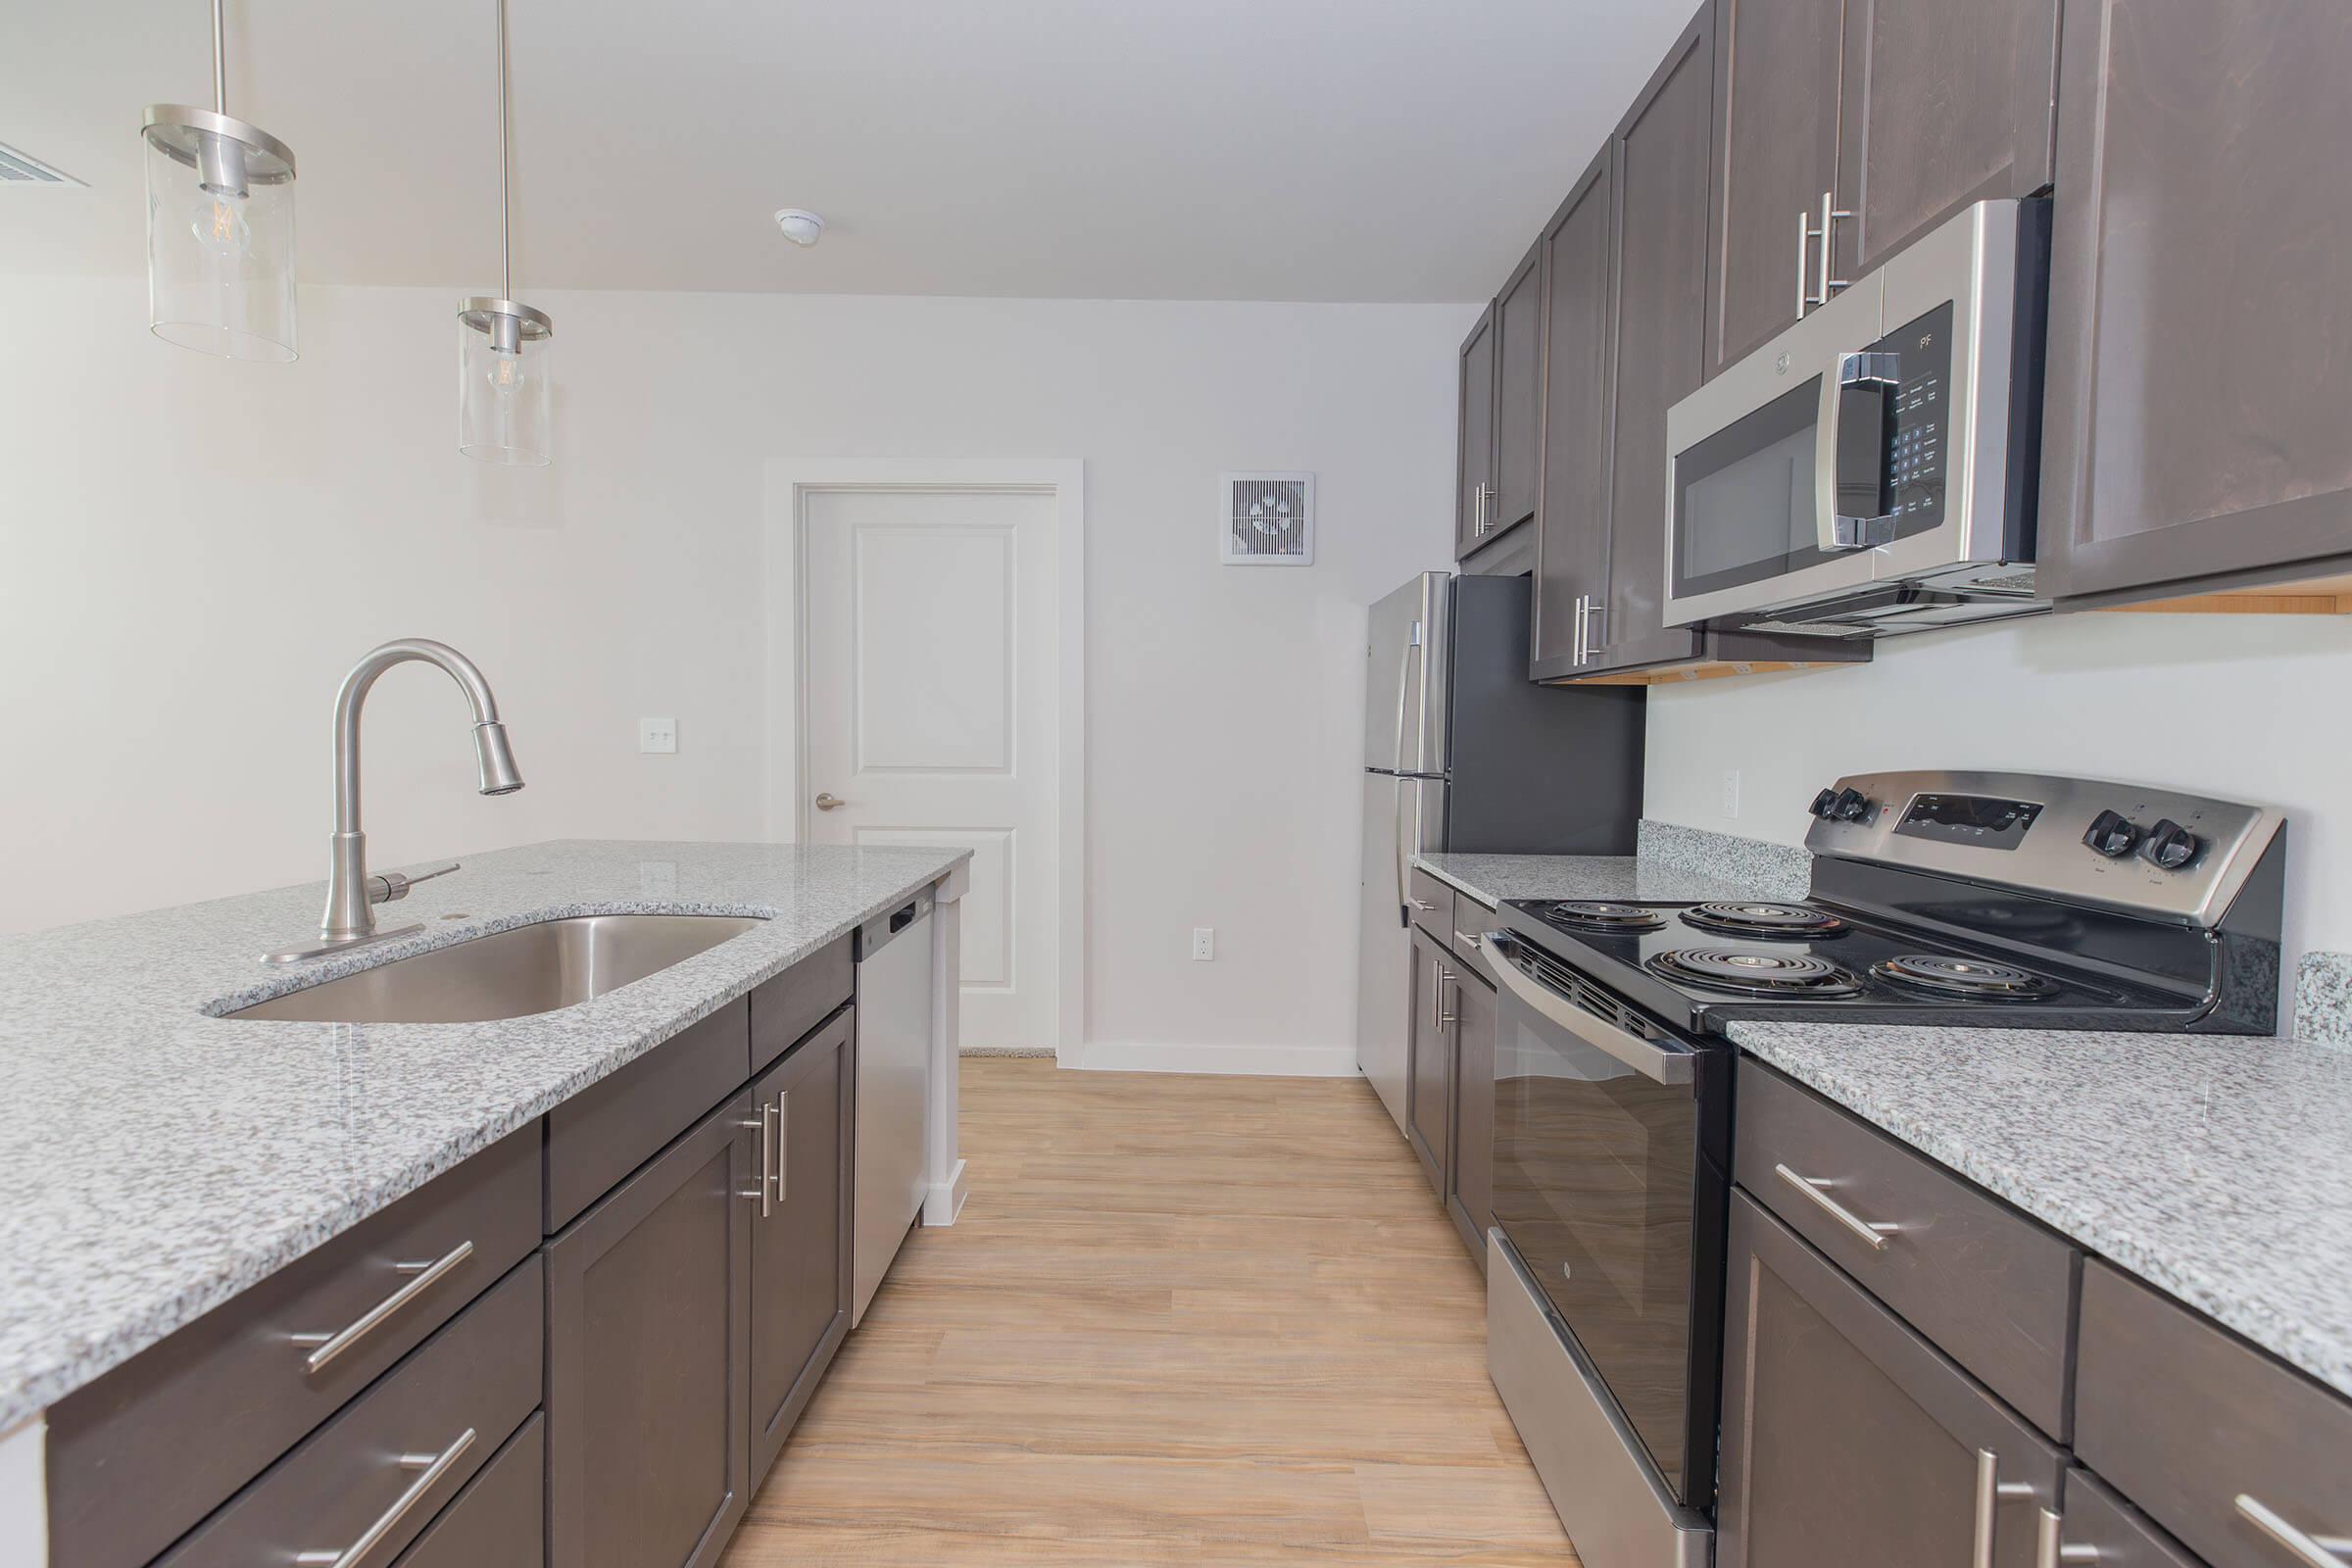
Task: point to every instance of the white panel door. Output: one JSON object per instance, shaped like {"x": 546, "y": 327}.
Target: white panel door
{"x": 931, "y": 644}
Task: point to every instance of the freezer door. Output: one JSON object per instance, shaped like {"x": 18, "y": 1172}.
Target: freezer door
{"x": 1403, "y": 817}
{"x": 1404, "y": 679}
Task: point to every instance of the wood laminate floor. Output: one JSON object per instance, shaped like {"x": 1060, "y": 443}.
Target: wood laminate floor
{"x": 1182, "y": 1320}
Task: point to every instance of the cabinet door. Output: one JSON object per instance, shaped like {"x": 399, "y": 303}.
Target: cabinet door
{"x": 1475, "y": 463}
{"x": 1775, "y": 156}
{"x": 1572, "y": 512}
{"x": 1430, "y": 1070}
{"x": 800, "y": 1239}
{"x": 1518, "y": 394}
{"x": 1943, "y": 105}
{"x": 1661, "y": 298}
{"x": 648, "y": 1424}
{"x": 1470, "y": 1190}
{"x": 1849, "y": 1440}
{"x": 2200, "y": 357}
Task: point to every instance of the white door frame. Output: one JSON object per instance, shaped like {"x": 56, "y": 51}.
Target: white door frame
{"x": 789, "y": 481}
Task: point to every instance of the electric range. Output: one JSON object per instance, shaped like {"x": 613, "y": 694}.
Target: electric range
{"x": 1946, "y": 899}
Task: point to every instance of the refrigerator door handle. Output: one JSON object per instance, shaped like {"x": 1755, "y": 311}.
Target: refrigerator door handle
{"x": 1404, "y": 687}
{"x": 1404, "y": 912}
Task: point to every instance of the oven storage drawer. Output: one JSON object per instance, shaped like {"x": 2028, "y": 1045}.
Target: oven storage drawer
{"x": 2204, "y": 1433}
{"x": 380, "y": 1470}
{"x": 185, "y": 1423}
{"x": 1992, "y": 1289}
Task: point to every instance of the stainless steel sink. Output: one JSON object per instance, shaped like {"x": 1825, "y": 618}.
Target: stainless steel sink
{"x": 510, "y": 974}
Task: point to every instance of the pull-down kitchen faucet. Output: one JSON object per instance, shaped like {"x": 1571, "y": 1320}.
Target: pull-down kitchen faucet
{"x": 350, "y": 920}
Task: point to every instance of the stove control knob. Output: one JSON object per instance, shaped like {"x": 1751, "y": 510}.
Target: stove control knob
{"x": 1822, "y": 801}
{"x": 2169, "y": 845}
{"x": 1850, "y": 805}
{"x": 2112, "y": 835}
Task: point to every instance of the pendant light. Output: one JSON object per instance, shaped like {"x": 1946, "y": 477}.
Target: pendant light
{"x": 503, "y": 346}
{"x": 220, "y": 227}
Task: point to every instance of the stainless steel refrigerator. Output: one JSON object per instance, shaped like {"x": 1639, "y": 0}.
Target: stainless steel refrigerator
{"x": 1464, "y": 752}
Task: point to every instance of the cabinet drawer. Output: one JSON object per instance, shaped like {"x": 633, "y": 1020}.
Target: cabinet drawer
{"x": 1994, "y": 1289}
{"x": 2121, "y": 1535}
{"x": 186, "y": 1422}
{"x": 1470, "y": 919}
{"x": 381, "y": 1469}
{"x": 800, "y": 998}
{"x": 2186, "y": 1421}
{"x": 499, "y": 1521}
{"x": 1433, "y": 904}
{"x": 612, "y": 1127}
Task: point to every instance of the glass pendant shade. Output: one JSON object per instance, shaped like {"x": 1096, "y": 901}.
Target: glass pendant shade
{"x": 220, "y": 234}
{"x": 504, "y": 390}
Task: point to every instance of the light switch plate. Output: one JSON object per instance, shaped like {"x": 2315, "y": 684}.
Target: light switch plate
{"x": 658, "y": 735}
{"x": 1731, "y": 792}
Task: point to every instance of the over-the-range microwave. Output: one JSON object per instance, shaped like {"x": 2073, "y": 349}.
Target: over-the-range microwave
{"x": 1874, "y": 469}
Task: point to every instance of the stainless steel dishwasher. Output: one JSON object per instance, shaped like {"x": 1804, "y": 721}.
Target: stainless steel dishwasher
{"x": 894, "y": 1080}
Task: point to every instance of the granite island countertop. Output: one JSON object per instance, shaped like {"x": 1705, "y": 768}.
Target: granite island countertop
{"x": 156, "y": 1159}
{"x": 2216, "y": 1167}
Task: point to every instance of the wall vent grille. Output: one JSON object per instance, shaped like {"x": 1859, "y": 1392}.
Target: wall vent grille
{"x": 23, "y": 169}
{"x": 1266, "y": 519}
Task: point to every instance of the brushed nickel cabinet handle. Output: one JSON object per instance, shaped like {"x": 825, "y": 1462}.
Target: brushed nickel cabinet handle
{"x": 1437, "y": 995}
{"x": 1869, "y": 1233}
{"x": 1831, "y": 212}
{"x": 434, "y": 1465}
{"x": 1990, "y": 1495}
{"x": 331, "y": 1346}
{"x": 2313, "y": 1552}
{"x": 1423, "y": 904}
{"x": 783, "y": 1143}
{"x": 1805, "y": 239}
{"x": 2050, "y": 1549}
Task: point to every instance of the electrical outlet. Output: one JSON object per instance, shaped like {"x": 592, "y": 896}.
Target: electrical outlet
{"x": 1731, "y": 792}
{"x": 1205, "y": 944}
{"x": 658, "y": 735}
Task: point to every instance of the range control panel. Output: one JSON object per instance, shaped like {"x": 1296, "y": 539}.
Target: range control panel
{"x": 2155, "y": 851}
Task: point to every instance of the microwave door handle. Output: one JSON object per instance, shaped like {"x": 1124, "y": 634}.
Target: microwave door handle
{"x": 1864, "y": 384}
{"x": 1651, "y": 1061}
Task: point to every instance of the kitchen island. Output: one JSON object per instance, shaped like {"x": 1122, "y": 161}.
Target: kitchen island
{"x": 157, "y": 1159}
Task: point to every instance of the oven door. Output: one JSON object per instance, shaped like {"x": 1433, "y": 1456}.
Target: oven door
{"x": 1607, "y": 1189}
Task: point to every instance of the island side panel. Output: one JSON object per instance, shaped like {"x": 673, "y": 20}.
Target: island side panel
{"x": 944, "y": 1199}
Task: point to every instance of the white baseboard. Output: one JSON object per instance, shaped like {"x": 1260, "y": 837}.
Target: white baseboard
{"x": 944, "y": 1200}
{"x": 1253, "y": 1062}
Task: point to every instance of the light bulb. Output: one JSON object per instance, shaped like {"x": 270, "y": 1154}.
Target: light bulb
{"x": 507, "y": 373}
{"x": 219, "y": 224}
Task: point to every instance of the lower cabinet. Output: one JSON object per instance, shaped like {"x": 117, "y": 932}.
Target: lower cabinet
{"x": 1470, "y": 1185}
{"x": 649, "y": 1354}
{"x": 801, "y": 1239}
{"x": 1429, "y": 1070}
{"x": 500, "y": 1519}
{"x": 1847, "y": 1439}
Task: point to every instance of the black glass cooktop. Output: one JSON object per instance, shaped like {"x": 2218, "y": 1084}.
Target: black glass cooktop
{"x": 1690, "y": 964}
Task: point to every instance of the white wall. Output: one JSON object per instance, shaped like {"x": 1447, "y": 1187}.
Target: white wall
{"x": 191, "y": 553}
{"x": 2241, "y": 707}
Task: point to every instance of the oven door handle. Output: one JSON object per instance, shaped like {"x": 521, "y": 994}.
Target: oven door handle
{"x": 1651, "y": 1060}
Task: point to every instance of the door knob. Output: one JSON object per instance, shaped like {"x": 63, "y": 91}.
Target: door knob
{"x": 827, "y": 801}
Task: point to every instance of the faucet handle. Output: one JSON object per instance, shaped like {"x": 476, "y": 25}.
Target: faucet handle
{"x": 391, "y": 886}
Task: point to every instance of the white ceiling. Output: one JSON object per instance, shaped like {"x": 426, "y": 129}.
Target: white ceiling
{"x": 1185, "y": 149}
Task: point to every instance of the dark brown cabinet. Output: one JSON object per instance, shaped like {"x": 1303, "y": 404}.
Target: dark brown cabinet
{"x": 1867, "y": 122}
{"x": 1474, "y": 462}
{"x": 801, "y": 1277}
{"x": 648, "y": 1357}
{"x": 1429, "y": 1068}
{"x": 1470, "y": 1136}
{"x": 1847, "y": 1437}
{"x": 1572, "y": 536}
{"x": 2200, "y": 347}
{"x": 1518, "y": 396}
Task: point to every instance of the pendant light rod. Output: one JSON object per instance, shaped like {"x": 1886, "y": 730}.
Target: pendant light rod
{"x": 505, "y": 200}
{"x": 220, "y": 64}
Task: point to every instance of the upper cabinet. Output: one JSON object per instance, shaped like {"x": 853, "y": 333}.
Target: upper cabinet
{"x": 2200, "y": 353}
{"x": 1474, "y": 465}
{"x": 1571, "y": 542}
{"x": 1846, "y": 128}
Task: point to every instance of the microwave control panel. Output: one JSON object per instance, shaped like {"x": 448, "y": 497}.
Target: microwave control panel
{"x": 1915, "y": 437}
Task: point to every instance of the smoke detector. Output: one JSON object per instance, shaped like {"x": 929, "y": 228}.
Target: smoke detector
{"x": 803, "y": 228}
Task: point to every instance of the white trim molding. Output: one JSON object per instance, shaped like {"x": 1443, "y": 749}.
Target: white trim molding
{"x": 790, "y": 480}
{"x": 1249, "y": 1061}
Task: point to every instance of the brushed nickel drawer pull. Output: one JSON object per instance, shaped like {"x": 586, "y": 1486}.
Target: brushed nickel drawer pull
{"x": 1869, "y": 1233}
{"x": 1424, "y": 905}
{"x": 2315, "y": 1552}
{"x": 783, "y": 1143}
{"x": 434, "y": 1465}
{"x": 2050, "y": 1549}
{"x": 330, "y": 1346}
{"x": 1990, "y": 1495}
